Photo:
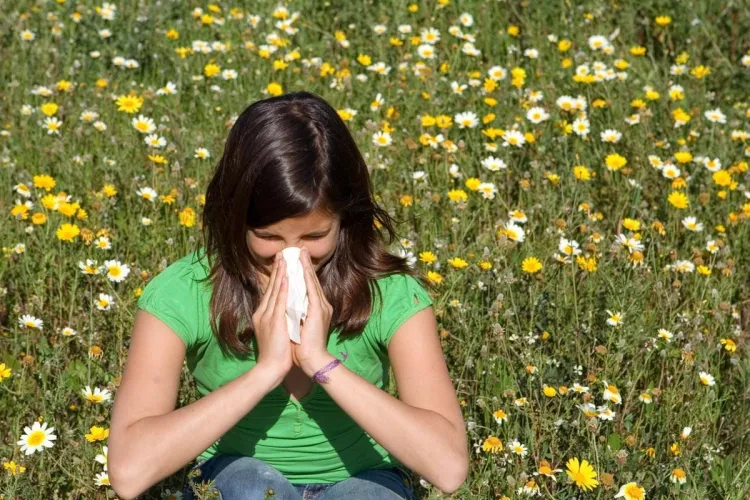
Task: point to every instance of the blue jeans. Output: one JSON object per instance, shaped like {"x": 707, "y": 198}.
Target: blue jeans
{"x": 248, "y": 478}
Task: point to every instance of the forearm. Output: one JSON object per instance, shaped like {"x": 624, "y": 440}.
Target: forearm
{"x": 152, "y": 448}
{"x": 421, "y": 439}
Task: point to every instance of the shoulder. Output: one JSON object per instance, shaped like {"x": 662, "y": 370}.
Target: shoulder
{"x": 179, "y": 296}
{"x": 180, "y": 275}
{"x": 401, "y": 296}
{"x": 399, "y": 285}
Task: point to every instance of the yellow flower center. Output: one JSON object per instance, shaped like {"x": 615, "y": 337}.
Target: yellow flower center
{"x": 36, "y": 438}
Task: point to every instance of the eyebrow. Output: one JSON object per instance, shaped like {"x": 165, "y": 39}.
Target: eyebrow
{"x": 314, "y": 233}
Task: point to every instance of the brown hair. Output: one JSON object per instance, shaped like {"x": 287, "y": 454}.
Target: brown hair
{"x": 286, "y": 156}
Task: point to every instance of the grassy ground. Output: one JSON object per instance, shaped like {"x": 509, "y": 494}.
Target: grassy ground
{"x": 616, "y": 122}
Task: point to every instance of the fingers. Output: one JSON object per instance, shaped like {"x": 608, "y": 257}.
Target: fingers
{"x": 314, "y": 291}
{"x": 280, "y": 305}
{"x": 269, "y": 288}
{"x": 280, "y": 274}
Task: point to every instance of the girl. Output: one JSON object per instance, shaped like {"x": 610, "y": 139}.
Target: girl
{"x": 308, "y": 420}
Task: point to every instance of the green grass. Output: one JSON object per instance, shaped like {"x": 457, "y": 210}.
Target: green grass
{"x": 492, "y": 315}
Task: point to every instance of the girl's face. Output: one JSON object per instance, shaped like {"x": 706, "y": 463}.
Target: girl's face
{"x": 317, "y": 231}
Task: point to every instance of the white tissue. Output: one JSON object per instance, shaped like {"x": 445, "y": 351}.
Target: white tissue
{"x": 296, "y": 299}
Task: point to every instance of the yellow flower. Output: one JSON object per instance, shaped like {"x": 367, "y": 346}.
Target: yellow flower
{"x": 5, "y": 372}
{"x": 406, "y": 200}
{"x": 683, "y": 156}
{"x": 678, "y": 199}
{"x": 631, "y": 224}
{"x": 457, "y": 195}
{"x": 663, "y": 20}
{"x": 700, "y": 71}
{"x": 97, "y": 434}
{"x": 615, "y": 162}
{"x": 364, "y": 59}
{"x": 44, "y": 181}
{"x": 109, "y": 190}
{"x": 513, "y": 30}
{"x": 129, "y": 103}
{"x": 549, "y": 391}
{"x": 13, "y": 468}
{"x": 531, "y": 265}
{"x": 68, "y": 232}
{"x": 427, "y": 257}
{"x": 582, "y": 474}
{"x": 722, "y": 178}
{"x": 564, "y": 44}
{"x": 492, "y": 444}
{"x": 434, "y": 277}
{"x": 275, "y": 89}
{"x": 638, "y": 50}
{"x": 211, "y": 70}
{"x": 49, "y": 108}
{"x": 157, "y": 159}
{"x": 187, "y": 217}
{"x": 473, "y": 183}
{"x": 728, "y": 344}
{"x": 458, "y": 263}
{"x": 680, "y": 115}
{"x": 581, "y": 173}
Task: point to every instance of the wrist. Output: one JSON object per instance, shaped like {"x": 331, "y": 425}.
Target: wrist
{"x": 269, "y": 376}
{"x": 315, "y": 363}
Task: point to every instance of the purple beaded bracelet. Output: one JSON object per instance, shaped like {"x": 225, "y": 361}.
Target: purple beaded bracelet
{"x": 319, "y": 377}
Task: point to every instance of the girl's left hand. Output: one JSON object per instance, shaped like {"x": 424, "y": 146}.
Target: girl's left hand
{"x": 311, "y": 353}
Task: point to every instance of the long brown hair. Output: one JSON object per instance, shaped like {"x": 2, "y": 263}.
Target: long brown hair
{"x": 286, "y": 156}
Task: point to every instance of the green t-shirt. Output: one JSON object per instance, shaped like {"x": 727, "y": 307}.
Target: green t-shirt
{"x": 311, "y": 441}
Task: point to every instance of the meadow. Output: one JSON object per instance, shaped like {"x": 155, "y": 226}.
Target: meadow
{"x": 571, "y": 176}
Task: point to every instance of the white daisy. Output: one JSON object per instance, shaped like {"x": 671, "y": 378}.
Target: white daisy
{"x": 426, "y": 51}
{"x": 537, "y": 115}
{"x": 52, "y": 124}
{"x": 147, "y": 193}
{"x": 514, "y": 232}
{"x": 104, "y": 302}
{"x": 28, "y": 321}
{"x": 103, "y": 457}
{"x": 466, "y": 119}
{"x": 692, "y": 224}
{"x": 715, "y": 116}
{"x": 569, "y": 247}
{"x": 155, "y": 141}
{"x": 202, "y": 153}
{"x": 611, "y": 136}
{"x": 488, "y": 190}
{"x": 116, "y": 271}
{"x": 497, "y": 73}
{"x": 143, "y": 124}
{"x": 381, "y": 139}
{"x": 706, "y": 379}
{"x": 513, "y": 138}
{"x": 493, "y": 164}
{"x": 615, "y": 319}
{"x": 98, "y": 396}
{"x": 519, "y": 449}
{"x": 36, "y": 437}
{"x": 101, "y": 479}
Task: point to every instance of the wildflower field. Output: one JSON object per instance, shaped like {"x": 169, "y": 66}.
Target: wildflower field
{"x": 572, "y": 177}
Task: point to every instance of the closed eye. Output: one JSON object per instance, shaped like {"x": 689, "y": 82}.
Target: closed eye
{"x": 276, "y": 237}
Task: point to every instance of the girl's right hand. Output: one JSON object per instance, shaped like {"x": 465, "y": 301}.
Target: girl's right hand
{"x": 269, "y": 321}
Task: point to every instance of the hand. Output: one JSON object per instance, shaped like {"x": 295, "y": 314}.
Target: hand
{"x": 311, "y": 354}
{"x": 269, "y": 321}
